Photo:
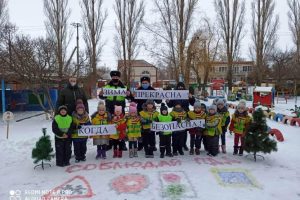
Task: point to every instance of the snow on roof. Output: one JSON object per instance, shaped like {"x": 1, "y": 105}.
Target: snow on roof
{"x": 263, "y": 89}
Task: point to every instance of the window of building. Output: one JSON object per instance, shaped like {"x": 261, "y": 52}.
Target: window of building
{"x": 222, "y": 69}
{"x": 145, "y": 73}
{"x": 247, "y": 68}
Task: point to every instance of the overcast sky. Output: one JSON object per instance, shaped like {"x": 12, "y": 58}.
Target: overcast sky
{"x": 28, "y": 15}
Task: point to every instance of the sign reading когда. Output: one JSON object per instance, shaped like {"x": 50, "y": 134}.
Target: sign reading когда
{"x": 164, "y": 94}
{"x": 175, "y": 126}
{"x": 94, "y": 130}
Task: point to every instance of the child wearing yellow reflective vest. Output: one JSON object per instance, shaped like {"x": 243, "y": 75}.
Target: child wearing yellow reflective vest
{"x": 102, "y": 141}
{"x": 133, "y": 122}
{"x": 213, "y": 130}
{"x": 80, "y": 118}
{"x": 165, "y": 137}
{"x": 224, "y": 113}
{"x": 120, "y": 121}
{"x": 196, "y": 134}
{"x": 178, "y": 114}
{"x": 148, "y": 115}
{"x": 62, "y": 129}
{"x": 239, "y": 124}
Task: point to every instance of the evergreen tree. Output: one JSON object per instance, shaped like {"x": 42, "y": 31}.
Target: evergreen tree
{"x": 43, "y": 150}
{"x": 257, "y": 138}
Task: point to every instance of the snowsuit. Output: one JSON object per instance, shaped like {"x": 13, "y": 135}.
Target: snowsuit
{"x": 101, "y": 140}
{"x": 238, "y": 125}
{"x": 148, "y": 136}
{"x": 178, "y": 137}
{"x": 224, "y": 113}
{"x": 196, "y": 134}
{"x": 62, "y": 125}
{"x": 79, "y": 142}
{"x": 117, "y": 138}
{"x": 165, "y": 137}
{"x": 212, "y": 132}
{"x": 133, "y": 133}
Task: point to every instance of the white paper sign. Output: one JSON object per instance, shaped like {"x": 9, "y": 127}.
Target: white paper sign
{"x": 175, "y": 126}
{"x": 94, "y": 130}
{"x": 8, "y": 116}
{"x": 114, "y": 92}
{"x": 163, "y": 94}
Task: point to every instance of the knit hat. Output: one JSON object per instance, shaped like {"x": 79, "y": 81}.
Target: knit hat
{"x": 221, "y": 102}
{"x": 212, "y": 107}
{"x": 62, "y": 107}
{"x": 79, "y": 101}
{"x": 242, "y": 104}
{"x": 115, "y": 73}
{"x": 80, "y": 106}
{"x": 197, "y": 104}
{"x": 145, "y": 78}
{"x": 118, "y": 108}
{"x": 101, "y": 105}
{"x": 149, "y": 101}
{"x": 180, "y": 84}
{"x": 163, "y": 107}
{"x": 132, "y": 107}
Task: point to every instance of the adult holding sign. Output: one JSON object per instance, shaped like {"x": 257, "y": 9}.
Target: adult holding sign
{"x": 69, "y": 95}
{"x": 145, "y": 86}
{"x": 113, "y": 93}
{"x": 185, "y": 103}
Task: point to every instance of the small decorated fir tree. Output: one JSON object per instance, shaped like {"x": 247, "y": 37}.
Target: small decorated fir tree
{"x": 43, "y": 150}
{"x": 257, "y": 138}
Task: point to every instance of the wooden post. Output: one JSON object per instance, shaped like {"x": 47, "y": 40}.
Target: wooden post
{"x": 7, "y": 130}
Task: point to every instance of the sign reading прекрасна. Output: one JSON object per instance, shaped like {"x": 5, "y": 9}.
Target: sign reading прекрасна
{"x": 175, "y": 126}
{"x": 161, "y": 94}
{"x": 94, "y": 130}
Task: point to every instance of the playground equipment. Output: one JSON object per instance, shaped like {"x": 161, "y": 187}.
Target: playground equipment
{"x": 263, "y": 96}
{"x": 279, "y": 117}
{"x": 277, "y": 133}
{"x": 295, "y": 121}
{"x": 286, "y": 119}
{"x": 282, "y": 96}
{"x": 217, "y": 88}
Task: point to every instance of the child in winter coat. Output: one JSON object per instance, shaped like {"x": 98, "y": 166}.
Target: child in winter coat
{"x": 62, "y": 129}
{"x": 80, "y": 118}
{"x": 101, "y": 118}
{"x": 133, "y": 122}
{"x": 120, "y": 121}
{"x": 165, "y": 137}
{"x": 196, "y": 134}
{"x": 213, "y": 130}
{"x": 178, "y": 114}
{"x": 148, "y": 114}
{"x": 224, "y": 113}
{"x": 238, "y": 125}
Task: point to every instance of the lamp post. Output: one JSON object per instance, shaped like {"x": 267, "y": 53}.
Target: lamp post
{"x": 77, "y": 25}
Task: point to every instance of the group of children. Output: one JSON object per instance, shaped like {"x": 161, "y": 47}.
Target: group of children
{"x": 137, "y": 126}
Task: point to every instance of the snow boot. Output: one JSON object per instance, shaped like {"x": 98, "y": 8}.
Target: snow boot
{"x": 192, "y": 151}
{"x": 103, "y": 154}
{"x": 197, "y": 151}
{"x": 119, "y": 153}
{"x": 223, "y": 149}
{"x": 115, "y": 153}
{"x": 185, "y": 148}
{"x": 135, "y": 154}
{"x": 168, "y": 151}
{"x": 162, "y": 152}
{"x": 130, "y": 153}
{"x": 241, "y": 151}
{"x": 235, "y": 150}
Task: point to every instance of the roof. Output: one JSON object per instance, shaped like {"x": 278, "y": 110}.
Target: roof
{"x": 135, "y": 63}
{"x": 263, "y": 89}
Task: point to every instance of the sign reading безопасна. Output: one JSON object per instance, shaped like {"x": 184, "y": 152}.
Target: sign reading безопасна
{"x": 175, "y": 126}
{"x": 163, "y": 94}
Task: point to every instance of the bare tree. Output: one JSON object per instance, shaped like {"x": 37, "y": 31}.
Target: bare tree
{"x": 32, "y": 62}
{"x": 264, "y": 28}
{"x": 231, "y": 15}
{"x": 3, "y": 14}
{"x": 172, "y": 33}
{"x": 57, "y": 14}
{"x": 294, "y": 22}
{"x": 206, "y": 51}
{"x": 93, "y": 20}
{"x": 130, "y": 14}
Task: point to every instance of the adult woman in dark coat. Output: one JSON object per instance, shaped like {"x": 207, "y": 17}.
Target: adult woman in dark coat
{"x": 185, "y": 103}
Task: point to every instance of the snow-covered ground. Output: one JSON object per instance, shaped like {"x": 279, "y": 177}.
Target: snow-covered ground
{"x": 182, "y": 177}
